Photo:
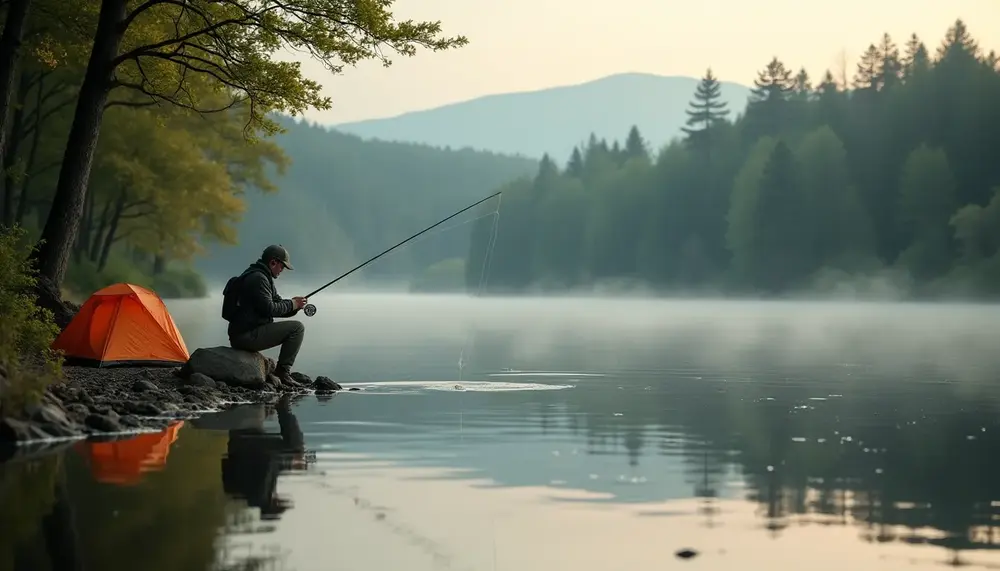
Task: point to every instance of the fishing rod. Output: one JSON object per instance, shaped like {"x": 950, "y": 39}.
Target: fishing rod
{"x": 310, "y": 309}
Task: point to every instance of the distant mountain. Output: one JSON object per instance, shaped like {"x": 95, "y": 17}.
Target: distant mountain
{"x": 553, "y": 120}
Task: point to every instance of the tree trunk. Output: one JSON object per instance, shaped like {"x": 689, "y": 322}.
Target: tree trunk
{"x": 22, "y": 201}
{"x": 159, "y": 264}
{"x": 95, "y": 244}
{"x": 64, "y": 217}
{"x": 85, "y": 237}
{"x": 109, "y": 238}
{"x": 10, "y": 51}
{"x": 10, "y": 154}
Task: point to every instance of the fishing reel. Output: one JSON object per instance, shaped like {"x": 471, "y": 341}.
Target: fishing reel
{"x": 309, "y": 310}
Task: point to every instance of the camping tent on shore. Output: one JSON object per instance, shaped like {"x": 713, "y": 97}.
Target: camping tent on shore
{"x": 122, "y": 325}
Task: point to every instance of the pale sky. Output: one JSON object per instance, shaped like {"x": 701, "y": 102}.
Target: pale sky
{"x": 520, "y": 45}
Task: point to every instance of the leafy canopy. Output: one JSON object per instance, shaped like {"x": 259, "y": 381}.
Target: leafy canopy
{"x": 234, "y": 43}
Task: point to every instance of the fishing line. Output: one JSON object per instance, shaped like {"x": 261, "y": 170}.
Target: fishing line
{"x": 310, "y": 309}
{"x": 452, "y": 227}
{"x": 483, "y": 279}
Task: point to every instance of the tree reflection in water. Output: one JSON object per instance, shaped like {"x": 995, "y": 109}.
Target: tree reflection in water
{"x": 96, "y": 505}
{"x": 903, "y": 461}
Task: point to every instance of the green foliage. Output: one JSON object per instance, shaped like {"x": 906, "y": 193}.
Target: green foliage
{"x": 26, "y": 330}
{"x": 190, "y": 86}
{"x": 233, "y": 44}
{"x": 84, "y": 277}
{"x": 888, "y": 184}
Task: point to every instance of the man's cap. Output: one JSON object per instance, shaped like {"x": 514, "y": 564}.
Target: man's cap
{"x": 277, "y": 252}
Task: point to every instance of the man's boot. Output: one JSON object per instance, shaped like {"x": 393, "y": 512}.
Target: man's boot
{"x": 284, "y": 374}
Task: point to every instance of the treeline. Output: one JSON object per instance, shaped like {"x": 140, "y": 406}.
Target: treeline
{"x": 887, "y": 179}
{"x": 132, "y": 131}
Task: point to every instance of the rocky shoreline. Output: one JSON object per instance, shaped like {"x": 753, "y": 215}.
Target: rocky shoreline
{"x": 121, "y": 400}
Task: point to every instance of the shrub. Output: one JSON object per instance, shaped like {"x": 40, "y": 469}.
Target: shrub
{"x": 179, "y": 283}
{"x": 26, "y": 330}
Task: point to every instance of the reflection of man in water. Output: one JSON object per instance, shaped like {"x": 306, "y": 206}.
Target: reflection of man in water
{"x": 255, "y": 458}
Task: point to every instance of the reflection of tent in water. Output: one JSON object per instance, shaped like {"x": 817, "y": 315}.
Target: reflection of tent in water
{"x": 125, "y": 461}
{"x": 122, "y": 324}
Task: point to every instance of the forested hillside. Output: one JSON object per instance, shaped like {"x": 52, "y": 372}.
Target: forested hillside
{"x": 889, "y": 182}
{"x": 343, "y": 200}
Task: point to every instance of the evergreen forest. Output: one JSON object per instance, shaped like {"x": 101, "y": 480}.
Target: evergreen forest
{"x": 877, "y": 181}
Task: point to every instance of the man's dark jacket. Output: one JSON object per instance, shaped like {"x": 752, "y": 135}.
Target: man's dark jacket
{"x": 259, "y": 302}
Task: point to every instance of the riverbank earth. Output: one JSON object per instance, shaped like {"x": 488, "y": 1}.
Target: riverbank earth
{"x": 106, "y": 402}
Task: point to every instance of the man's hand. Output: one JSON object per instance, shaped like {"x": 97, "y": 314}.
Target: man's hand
{"x": 299, "y": 302}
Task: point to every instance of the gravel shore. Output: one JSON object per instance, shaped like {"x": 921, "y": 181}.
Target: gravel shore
{"x": 123, "y": 400}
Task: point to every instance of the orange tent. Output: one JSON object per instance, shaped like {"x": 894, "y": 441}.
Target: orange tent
{"x": 123, "y": 325}
{"x": 125, "y": 461}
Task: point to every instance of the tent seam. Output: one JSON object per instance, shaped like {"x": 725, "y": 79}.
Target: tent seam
{"x": 111, "y": 331}
{"x": 150, "y": 313}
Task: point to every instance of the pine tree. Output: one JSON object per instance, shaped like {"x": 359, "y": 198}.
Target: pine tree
{"x": 828, "y": 86}
{"x": 867, "y": 75}
{"x": 706, "y": 110}
{"x": 916, "y": 59}
{"x": 958, "y": 43}
{"x": 802, "y": 90}
{"x": 635, "y": 146}
{"x": 890, "y": 67}
{"x": 574, "y": 167}
{"x": 992, "y": 61}
{"x": 767, "y": 111}
{"x": 781, "y": 244}
{"x": 773, "y": 83}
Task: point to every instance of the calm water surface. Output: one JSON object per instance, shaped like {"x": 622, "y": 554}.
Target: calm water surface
{"x": 576, "y": 434}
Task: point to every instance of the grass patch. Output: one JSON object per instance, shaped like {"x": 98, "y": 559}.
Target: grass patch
{"x": 27, "y": 331}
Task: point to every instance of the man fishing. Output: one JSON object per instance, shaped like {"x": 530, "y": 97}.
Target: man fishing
{"x": 250, "y": 304}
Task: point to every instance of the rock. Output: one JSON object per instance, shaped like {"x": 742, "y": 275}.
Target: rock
{"x": 53, "y": 420}
{"x": 103, "y": 423}
{"x": 302, "y": 378}
{"x": 12, "y": 430}
{"x": 77, "y": 411}
{"x": 104, "y": 410}
{"x": 130, "y": 421}
{"x": 230, "y": 366}
{"x": 686, "y": 553}
{"x": 325, "y": 385}
{"x": 201, "y": 380}
{"x": 142, "y": 408}
{"x": 50, "y": 398}
{"x": 141, "y": 386}
{"x": 274, "y": 383}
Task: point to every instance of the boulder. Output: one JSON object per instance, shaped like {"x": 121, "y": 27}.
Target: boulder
{"x": 103, "y": 422}
{"x": 52, "y": 419}
{"x": 13, "y": 430}
{"x": 143, "y": 385}
{"x": 325, "y": 385}
{"x": 233, "y": 367}
{"x": 201, "y": 380}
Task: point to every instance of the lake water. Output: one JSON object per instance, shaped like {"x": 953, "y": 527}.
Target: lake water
{"x": 578, "y": 434}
